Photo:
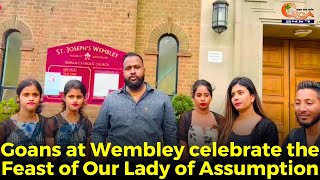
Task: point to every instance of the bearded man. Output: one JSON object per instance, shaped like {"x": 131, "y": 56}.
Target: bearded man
{"x": 135, "y": 114}
{"x": 307, "y": 110}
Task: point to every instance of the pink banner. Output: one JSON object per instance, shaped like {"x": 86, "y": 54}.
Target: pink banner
{"x": 98, "y": 66}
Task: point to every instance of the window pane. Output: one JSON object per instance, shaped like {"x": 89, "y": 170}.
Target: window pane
{"x": 215, "y": 16}
{"x": 8, "y": 93}
{"x": 167, "y": 65}
{"x": 11, "y": 67}
{"x": 222, "y": 17}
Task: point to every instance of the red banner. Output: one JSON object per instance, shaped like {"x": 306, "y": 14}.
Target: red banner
{"x": 98, "y": 66}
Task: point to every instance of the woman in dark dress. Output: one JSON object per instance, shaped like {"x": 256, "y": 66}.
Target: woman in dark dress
{"x": 245, "y": 123}
{"x": 70, "y": 126}
{"x": 25, "y": 128}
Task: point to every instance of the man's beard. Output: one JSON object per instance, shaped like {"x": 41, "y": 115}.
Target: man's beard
{"x": 309, "y": 124}
{"x": 136, "y": 85}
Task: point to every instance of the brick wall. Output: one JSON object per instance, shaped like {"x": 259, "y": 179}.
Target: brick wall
{"x": 127, "y": 25}
{"x": 181, "y": 18}
{"x": 47, "y": 24}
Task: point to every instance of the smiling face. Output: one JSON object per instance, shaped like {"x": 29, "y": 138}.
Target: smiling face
{"x": 202, "y": 98}
{"x": 29, "y": 98}
{"x": 133, "y": 72}
{"x": 307, "y": 107}
{"x": 241, "y": 98}
{"x": 74, "y": 99}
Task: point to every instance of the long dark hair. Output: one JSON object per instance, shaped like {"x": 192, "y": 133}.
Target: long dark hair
{"x": 29, "y": 82}
{"x": 74, "y": 84}
{"x": 232, "y": 113}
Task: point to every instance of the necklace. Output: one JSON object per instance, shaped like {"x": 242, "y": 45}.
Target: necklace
{"x": 137, "y": 93}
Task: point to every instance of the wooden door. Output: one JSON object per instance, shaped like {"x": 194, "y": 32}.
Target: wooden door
{"x": 275, "y": 82}
{"x": 285, "y": 64}
{"x": 304, "y": 65}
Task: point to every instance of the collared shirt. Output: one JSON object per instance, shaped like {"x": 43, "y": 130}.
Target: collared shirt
{"x": 122, "y": 121}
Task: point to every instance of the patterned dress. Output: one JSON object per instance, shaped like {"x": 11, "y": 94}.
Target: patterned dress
{"x": 197, "y": 137}
{"x": 66, "y": 134}
{"x": 23, "y": 134}
{"x": 194, "y": 135}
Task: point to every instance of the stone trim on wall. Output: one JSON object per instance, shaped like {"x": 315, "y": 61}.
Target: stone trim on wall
{"x": 250, "y": 18}
{"x": 168, "y": 28}
{"x": 22, "y": 27}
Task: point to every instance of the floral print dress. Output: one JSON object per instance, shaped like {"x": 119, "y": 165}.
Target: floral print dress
{"x": 194, "y": 135}
{"x": 198, "y": 137}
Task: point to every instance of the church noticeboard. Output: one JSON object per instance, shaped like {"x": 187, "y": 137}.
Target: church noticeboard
{"x": 98, "y": 66}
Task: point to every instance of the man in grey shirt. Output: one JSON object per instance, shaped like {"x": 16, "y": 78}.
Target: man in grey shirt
{"x": 137, "y": 113}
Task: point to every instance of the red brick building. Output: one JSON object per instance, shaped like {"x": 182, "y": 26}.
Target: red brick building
{"x": 31, "y": 27}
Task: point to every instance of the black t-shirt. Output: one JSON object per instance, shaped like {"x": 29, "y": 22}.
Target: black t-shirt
{"x": 298, "y": 135}
{"x": 265, "y": 131}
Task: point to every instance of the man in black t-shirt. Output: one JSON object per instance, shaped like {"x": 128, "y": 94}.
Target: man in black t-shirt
{"x": 307, "y": 110}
